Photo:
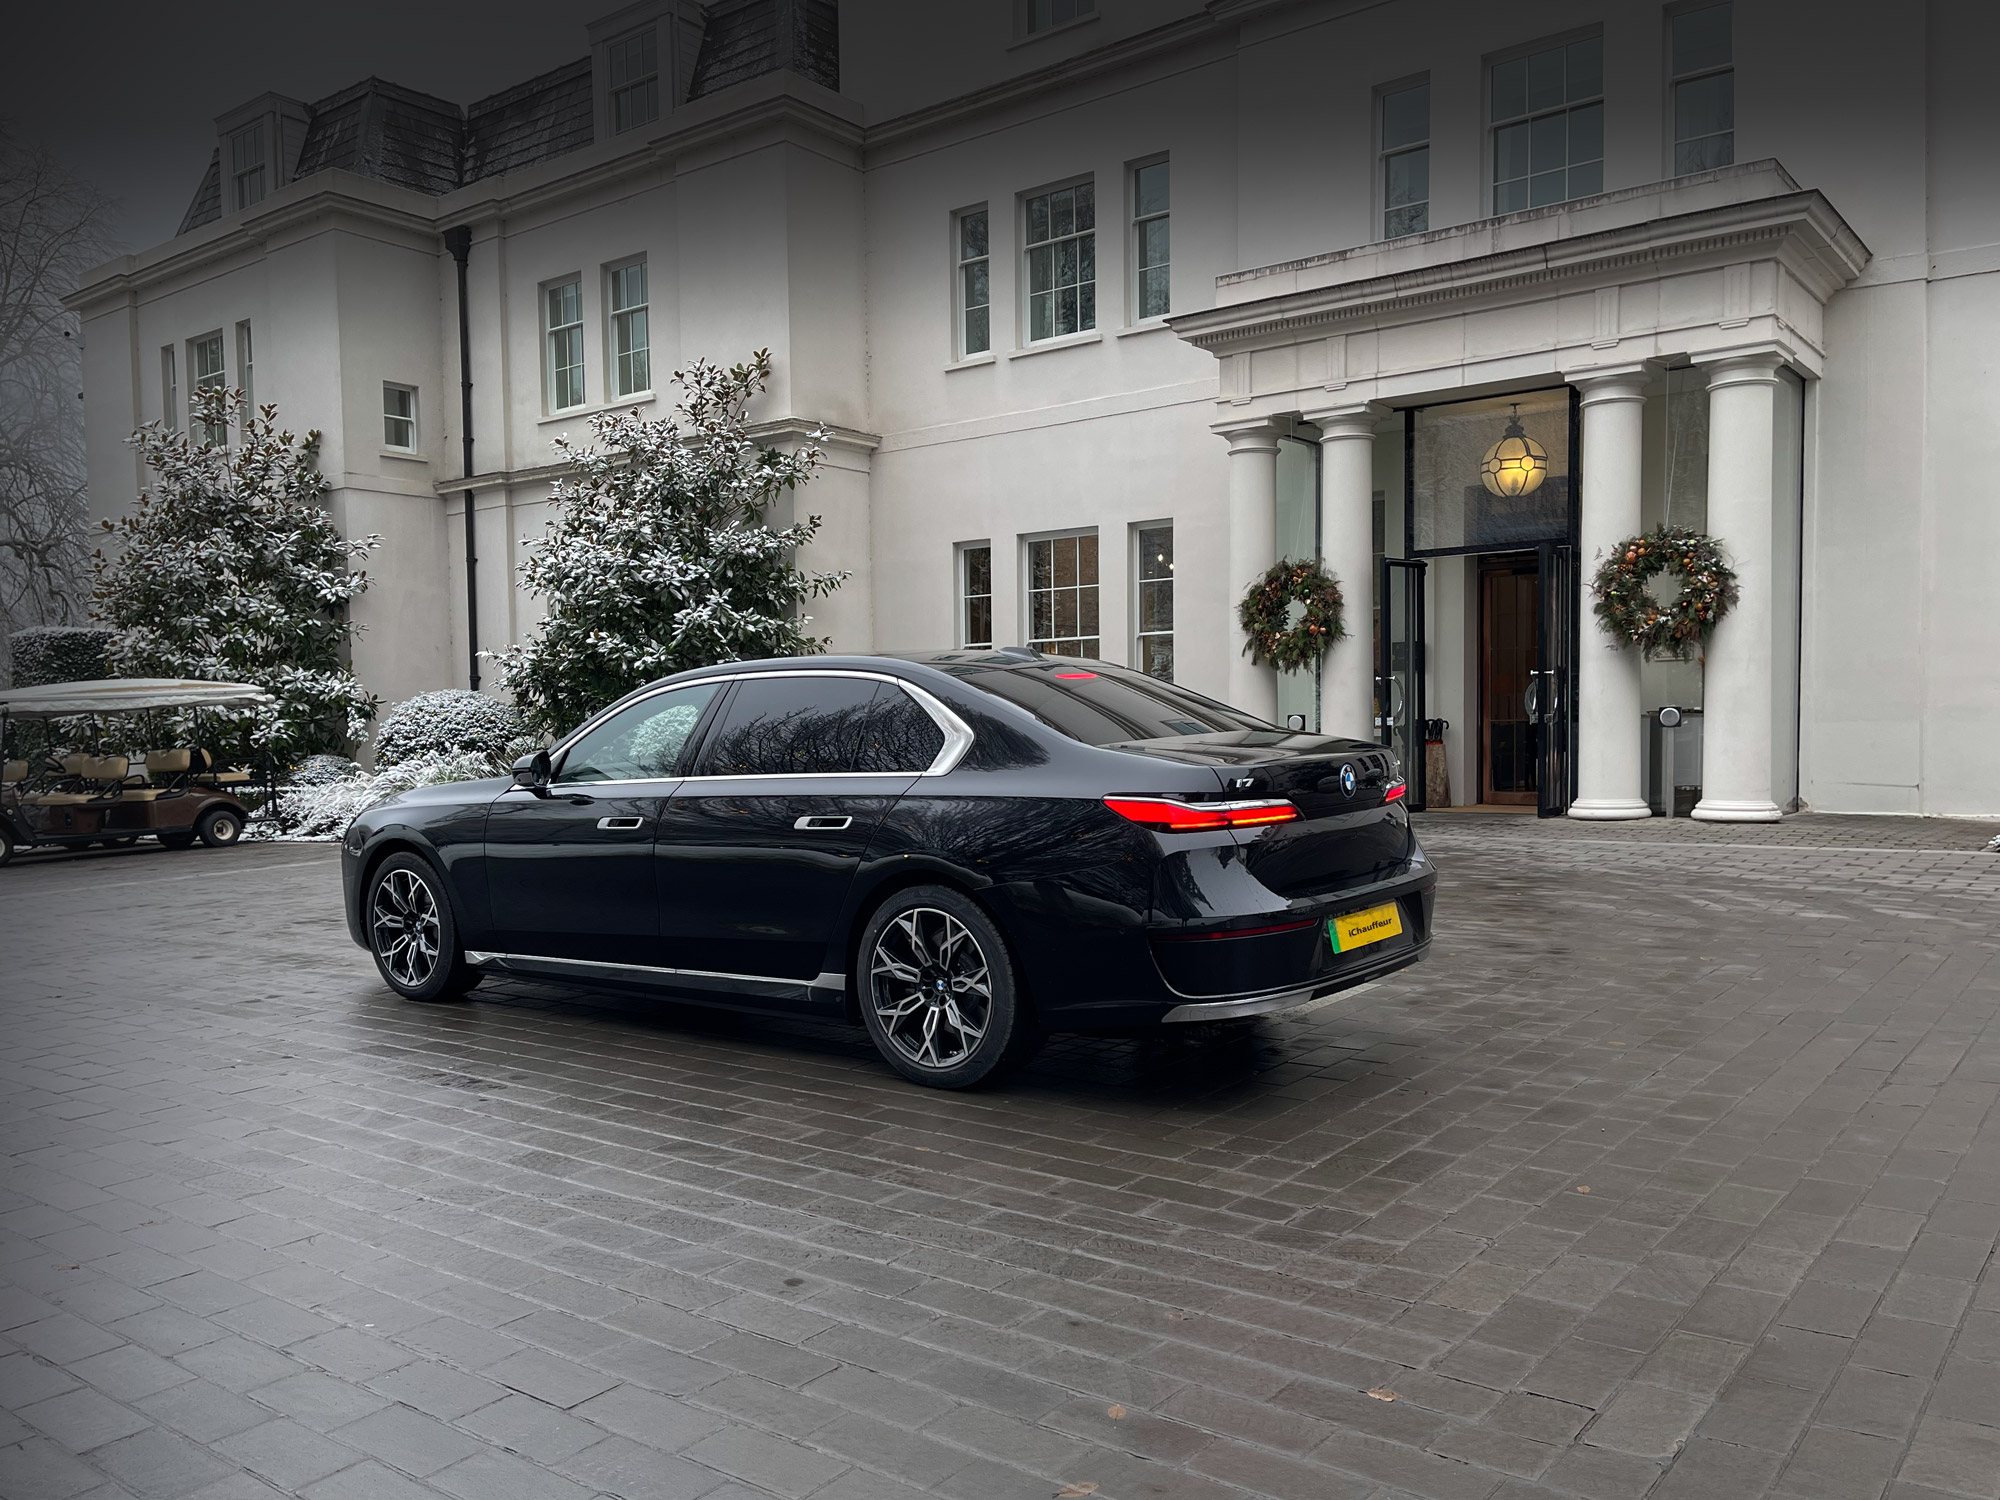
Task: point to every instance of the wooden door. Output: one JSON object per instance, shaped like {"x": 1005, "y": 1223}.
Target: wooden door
{"x": 1509, "y": 641}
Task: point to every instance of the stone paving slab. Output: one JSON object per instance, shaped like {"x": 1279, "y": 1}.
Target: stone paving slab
{"x": 1674, "y": 1173}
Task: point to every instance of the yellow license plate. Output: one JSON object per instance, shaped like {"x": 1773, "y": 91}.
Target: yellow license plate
{"x": 1360, "y": 928}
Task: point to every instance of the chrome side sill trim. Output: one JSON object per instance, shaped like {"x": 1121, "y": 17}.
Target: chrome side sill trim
{"x": 1286, "y": 1002}
{"x": 829, "y": 981}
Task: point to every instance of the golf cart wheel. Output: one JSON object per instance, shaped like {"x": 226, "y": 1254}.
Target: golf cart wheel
{"x": 219, "y": 827}
{"x": 179, "y": 840}
{"x": 413, "y": 933}
{"x": 6, "y": 845}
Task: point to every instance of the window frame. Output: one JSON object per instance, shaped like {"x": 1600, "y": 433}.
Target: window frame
{"x": 1384, "y": 151}
{"x": 1135, "y": 239}
{"x": 245, "y": 366}
{"x": 613, "y": 385}
{"x": 548, "y": 334}
{"x": 218, "y": 378}
{"x": 961, "y": 348}
{"x": 252, "y": 133}
{"x": 170, "y": 389}
{"x": 957, "y": 734}
{"x": 1493, "y": 127}
{"x": 615, "y": 92}
{"x": 1025, "y": 311}
{"x": 1673, "y": 80}
{"x": 963, "y": 595}
{"x": 1139, "y": 634}
{"x": 1028, "y": 591}
{"x": 388, "y": 417}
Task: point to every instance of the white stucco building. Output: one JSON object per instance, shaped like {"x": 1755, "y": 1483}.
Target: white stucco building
{"x": 1108, "y": 306}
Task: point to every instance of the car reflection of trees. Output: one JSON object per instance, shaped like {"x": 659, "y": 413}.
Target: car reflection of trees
{"x": 806, "y": 741}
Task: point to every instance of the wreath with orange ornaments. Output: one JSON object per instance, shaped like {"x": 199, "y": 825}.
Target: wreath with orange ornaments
{"x": 1671, "y": 629}
{"x": 1288, "y": 637}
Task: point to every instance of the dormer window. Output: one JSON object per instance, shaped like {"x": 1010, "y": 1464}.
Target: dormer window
{"x": 247, "y": 180}
{"x": 635, "y": 81}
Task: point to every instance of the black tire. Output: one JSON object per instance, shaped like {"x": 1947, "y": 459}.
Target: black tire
{"x": 413, "y": 933}
{"x": 928, "y": 958}
{"x": 177, "y": 840}
{"x": 6, "y": 845}
{"x": 219, "y": 827}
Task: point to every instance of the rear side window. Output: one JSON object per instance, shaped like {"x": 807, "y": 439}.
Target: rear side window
{"x": 1103, "y": 705}
{"x": 899, "y": 735}
{"x": 640, "y": 743}
{"x": 792, "y": 726}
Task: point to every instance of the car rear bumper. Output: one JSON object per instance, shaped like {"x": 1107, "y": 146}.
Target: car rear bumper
{"x": 1305, "y": 997}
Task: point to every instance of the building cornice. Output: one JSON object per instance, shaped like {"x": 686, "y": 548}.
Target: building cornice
{"x": 1799, "y": 226}
{"x": 772, "y": 430}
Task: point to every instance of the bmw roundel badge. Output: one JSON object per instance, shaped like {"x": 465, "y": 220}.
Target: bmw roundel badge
{"x": 1347, "y": 781}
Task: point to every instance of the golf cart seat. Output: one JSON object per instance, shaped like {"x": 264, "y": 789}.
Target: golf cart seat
{"x": 97, "y": 773}
{"x": 170, "y": 763}
{"x": 13, "y": 773}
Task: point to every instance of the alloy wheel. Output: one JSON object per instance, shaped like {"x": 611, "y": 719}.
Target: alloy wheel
{"x": 930, "y": 986}
{"x": 405, "y": 927}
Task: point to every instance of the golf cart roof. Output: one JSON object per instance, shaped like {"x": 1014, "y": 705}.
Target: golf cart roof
{"x": 126, "y": 695}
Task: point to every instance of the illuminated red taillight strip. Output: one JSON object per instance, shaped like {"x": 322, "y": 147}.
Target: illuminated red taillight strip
{"x": 1172, "y": 816}
{"x": 1394, "y": 790}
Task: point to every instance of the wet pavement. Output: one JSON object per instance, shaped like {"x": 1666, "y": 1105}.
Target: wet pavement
{"x": 1675, "y": 1172}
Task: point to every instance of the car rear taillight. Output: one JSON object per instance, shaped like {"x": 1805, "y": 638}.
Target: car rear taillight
{"x": 1394, "y": 790}
{"x": 1169, "y": 815}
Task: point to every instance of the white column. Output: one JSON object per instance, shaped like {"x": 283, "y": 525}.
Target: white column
{"x": 1736, "y": 685}
{"x": 1347, "y": 547}
{"x": 1609, "y": 767}
{"x": 1253, "y": 547}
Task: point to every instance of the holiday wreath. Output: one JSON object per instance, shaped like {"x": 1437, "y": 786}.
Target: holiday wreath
{"x": 1266, "y": 614}
{"x": 1628, "y": 609}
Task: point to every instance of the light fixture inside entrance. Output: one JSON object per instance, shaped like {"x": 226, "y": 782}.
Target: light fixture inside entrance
{"x": 1517, "y": 464}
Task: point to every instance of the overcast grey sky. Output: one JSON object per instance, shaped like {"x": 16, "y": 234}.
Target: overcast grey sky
{"x": 126, "y": 94}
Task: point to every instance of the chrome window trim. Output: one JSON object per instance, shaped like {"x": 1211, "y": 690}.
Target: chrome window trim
{"x": 957, "y": 733}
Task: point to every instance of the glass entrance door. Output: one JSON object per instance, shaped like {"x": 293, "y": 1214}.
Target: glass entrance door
{"x": 1399, "y": 673}
{"x": 1510, "y": 697}
{"x": 1555, "y": 695}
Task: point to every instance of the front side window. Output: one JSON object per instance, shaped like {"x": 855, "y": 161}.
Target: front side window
{"x": 1704, "y": 90}
{"x": 246, "y": 166}
{"x": 635, "y": 81}
{"x": 399, "y": 417}
{"x": 562, "y": 310}
{"x": 1548, "y": 126}
{"x": 631, "y": 352}
{"x": 791, "y": 726}
{"x": 170, "y": 391}
{"x": 1406, "y": 161}
{"x": 205, "y": 368}
{"x": 1153, "y": 269}
{"x": 640, "y": 743}
{"x": 975, "y": 287}
{"x": 1062, "y": 595}
{"x": 1062, "y": 262}
{"x": 975, "y": 595}
{"x": 1154, "y": 594}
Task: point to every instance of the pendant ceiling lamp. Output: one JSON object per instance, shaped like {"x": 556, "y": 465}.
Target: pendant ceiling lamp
{"x": 1517, "y": 464}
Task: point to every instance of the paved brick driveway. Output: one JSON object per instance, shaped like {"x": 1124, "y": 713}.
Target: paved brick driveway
{"x": 1675, "y": 1173}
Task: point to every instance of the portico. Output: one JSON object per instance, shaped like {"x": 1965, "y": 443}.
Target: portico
{"x": 1676, "y": 315}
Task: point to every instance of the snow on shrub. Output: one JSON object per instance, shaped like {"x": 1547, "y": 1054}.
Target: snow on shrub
{"x": 322, "y": 770}
{"x": 323, "y": 811}
{"x": 60, "y": 653}
{"x": 448, "y": 722}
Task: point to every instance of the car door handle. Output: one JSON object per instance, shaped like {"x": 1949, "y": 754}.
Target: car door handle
{"x": 616, "y": 824}
{"x": 821, "y": 824}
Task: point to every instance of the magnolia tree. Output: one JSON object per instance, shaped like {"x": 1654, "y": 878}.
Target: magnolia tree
{"x": 659, "y": 558}
{"x": 230, "y": 569}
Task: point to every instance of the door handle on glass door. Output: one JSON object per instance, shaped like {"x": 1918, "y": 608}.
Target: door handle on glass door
{"x": 621, "y": 824}
{"x": 821, "y": 824}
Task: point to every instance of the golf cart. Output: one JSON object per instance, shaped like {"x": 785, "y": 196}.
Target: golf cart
{"x": 176, "y": 795}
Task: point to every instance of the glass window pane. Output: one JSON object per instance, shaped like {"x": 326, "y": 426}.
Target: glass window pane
{"x": 978, "y": 291}
{"x": 1548, "y": 143}
{"x": 1156, "y": 552}
{"x": 1064, "y": 601}
{"x": 1066, "y": 263}
{"x": 1149, "y": 189}
{"x": 979, "y": 622}
{"x": 1510, "y": 197}
{"x": 1510, "y": 88}
{"x": 1155, "y": 296}
{"x": 979, "y": 570}
{"x": 1414, "y": 219}
{"x": 897, "y": 735}
{"x": 1086, "y": 269}
{"x": 1586, "y": 134}
{"x": 1701, "y": 39}
{"x": 1066, "y": 310}
{"x": 1086, "y": 565}
{"x": 1510, "y": 152}
{"x": 978, "y": 330}
{"x": 1038, "y": 219}
{"x": 1041, "y": 615}
{"x": 1705, "y": 154}
{"x": 1086, "y": 610}
{"x": 1406, "y": 116}
{"x": 1152, "y": 243}
{"x": 1042, "y": 316}
{"x": 778, "y": 726}
{"x": 1062, "y": 213}
{"x": 1408, "y": 177}
{"x": 1586, "y": 179}
{"x": 1063, "y": 551}
{"x": 1547, "y": 187}
{"x": 1086, "y": 307}
{"x": 1041, "y": 268}
{"x": 1545, "y": 79}
{"x": 972, "y": 235}
{"x": 1585, "y": 68}
{"x": 642, "y": 743}
{"x": 1041, "y": 565}
{"x": 1704, "y": 106}
{"x": 1086, "y": 206}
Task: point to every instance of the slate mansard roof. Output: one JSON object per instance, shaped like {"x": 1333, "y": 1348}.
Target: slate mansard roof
{"x": 396, "y": 135}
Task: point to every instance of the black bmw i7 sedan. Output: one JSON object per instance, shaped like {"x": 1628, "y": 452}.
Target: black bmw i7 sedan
{"x": 960, "y": 850}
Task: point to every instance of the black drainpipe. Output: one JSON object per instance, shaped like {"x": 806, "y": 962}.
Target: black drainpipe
{"x": 458, "y": 241}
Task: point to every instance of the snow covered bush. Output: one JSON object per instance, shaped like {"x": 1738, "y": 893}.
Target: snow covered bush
{"x": 659, "y": 558}
{"x": 60, "y": 653}
{"x": 231, "y": 569}
{"x": 320, "y": 770}
{"x": 452, "y": 721}
{"x": 323, "y": 811}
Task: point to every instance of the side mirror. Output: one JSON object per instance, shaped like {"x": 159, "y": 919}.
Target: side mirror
{"x": 532, "y": 772}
